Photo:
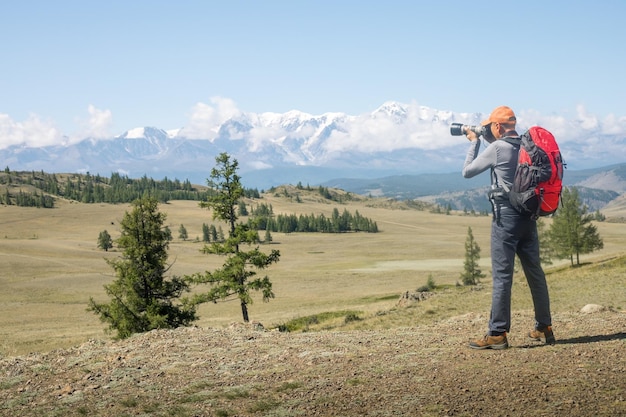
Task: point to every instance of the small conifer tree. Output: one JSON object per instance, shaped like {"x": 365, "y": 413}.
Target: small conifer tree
{"x": 471, "y": 272}
{"x": 142, "y": 299}
{"x": 572, "y": 232}
{"x": 237, "y": 276}
{"x": 182, "y": 232}
{"x": 105, "y": 242}
{"x": 206, "y": 235}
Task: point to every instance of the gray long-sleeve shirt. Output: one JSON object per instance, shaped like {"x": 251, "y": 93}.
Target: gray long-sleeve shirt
{"x": 499, "y": 155}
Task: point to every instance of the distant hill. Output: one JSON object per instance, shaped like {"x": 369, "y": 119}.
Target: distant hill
{"x": 597, "y": 187}
{"x": 407, "y": 186}
{"x": 611, "y": 178}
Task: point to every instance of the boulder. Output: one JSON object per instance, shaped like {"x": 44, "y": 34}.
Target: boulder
{"x": 592, "y": 308}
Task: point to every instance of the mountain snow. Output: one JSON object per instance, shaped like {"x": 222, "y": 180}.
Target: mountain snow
{"x": 137, "y": 133}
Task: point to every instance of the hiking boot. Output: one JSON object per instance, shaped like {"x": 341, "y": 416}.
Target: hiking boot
{"x": 545, "y": 333}
{"x": 490, "y": 342}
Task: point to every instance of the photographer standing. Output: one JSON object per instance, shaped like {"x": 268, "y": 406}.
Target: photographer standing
{"x": 511, "y": 232}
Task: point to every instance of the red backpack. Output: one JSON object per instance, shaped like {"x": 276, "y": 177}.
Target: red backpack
{"x": 538, "y": 181}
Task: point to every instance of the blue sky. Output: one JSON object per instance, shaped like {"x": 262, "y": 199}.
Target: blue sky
{"x": 81, "y": 67}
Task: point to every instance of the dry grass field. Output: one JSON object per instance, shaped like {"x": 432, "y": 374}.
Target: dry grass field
{"x": 50, "y": 266}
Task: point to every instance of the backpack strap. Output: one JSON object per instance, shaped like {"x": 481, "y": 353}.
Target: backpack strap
{"x": 497, "y": 193}
{"x": 492, "y": 196}
{"x": 515, "y": 141}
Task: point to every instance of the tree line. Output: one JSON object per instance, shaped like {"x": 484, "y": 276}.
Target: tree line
{"x": 88, "y": 188}
{"x": 262, "y": 218}
{"x": 24, "y": 199}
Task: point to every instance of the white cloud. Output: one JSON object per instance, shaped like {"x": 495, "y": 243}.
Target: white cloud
{"x": 32, "y": 132}
{"x": 262, "y": 135}
{"x": 36, "y": 132}
{"x": 258, "y": 165}
{"x": 587, "y": 121}
{"x": 385, "y": 132}
{"x": 97, "y": 126}
{"x": 613, "y": 125}
{"x": 560, "y": 127}
{"x": 205, "y": 119}
{"x": 582, "y": 128}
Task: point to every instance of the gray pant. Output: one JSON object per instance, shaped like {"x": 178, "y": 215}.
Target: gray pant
{"x": 515, "y": 234}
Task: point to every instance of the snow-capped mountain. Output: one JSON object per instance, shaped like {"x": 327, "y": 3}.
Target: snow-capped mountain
{"x": 276, "y": 148}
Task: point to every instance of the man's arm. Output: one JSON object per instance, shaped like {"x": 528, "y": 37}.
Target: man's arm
{"x": 475, "y": 163}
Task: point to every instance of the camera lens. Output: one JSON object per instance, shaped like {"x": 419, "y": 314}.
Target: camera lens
{"x": 456, "y": 129}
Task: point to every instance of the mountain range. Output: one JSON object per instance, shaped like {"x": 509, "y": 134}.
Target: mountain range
{"x": 277, "y": 148}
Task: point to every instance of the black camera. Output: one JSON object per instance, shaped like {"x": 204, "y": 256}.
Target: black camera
{"x": 459, "y": 129}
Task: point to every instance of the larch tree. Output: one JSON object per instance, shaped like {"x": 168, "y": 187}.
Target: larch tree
{"x": 237, "y": 277}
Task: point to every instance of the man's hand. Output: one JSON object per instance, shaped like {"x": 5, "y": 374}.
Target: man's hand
{"x": 471, "y": 135}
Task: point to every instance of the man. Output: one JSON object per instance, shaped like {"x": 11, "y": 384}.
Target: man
{"x": 511, "y": 232}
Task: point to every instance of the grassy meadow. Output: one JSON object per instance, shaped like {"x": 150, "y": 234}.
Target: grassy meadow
{"x": 51, "y": 266}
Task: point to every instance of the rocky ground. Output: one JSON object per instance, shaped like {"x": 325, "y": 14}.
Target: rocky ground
{"x": 245, "y": 370}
